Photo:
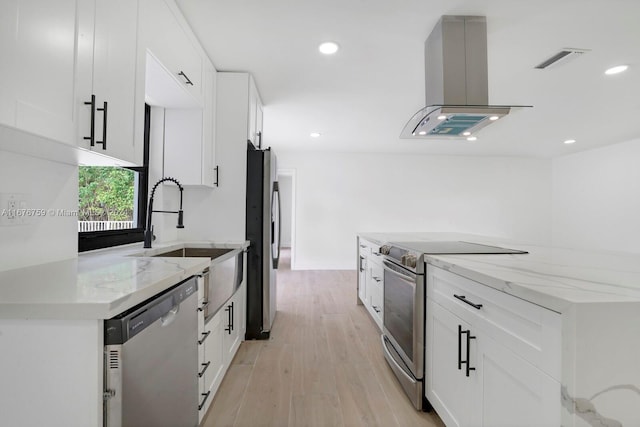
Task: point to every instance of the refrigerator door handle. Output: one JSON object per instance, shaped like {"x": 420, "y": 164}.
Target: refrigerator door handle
{"x": 274, "y": 241}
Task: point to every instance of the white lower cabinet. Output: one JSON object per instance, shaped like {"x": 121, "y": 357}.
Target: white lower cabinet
{"x": 448, "y": 389}
{"x": 474, "y": 377}
{"x": 219, "y": 341}
{"x": 371, "y": 279}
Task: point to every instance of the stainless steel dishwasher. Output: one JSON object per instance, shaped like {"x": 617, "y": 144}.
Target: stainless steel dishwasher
{"x": 151, "y": 362}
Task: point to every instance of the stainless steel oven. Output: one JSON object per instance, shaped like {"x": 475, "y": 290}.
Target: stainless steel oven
{"x": 403, "y": 320}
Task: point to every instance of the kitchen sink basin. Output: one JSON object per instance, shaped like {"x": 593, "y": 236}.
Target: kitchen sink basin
{"x": 212, "y": 253}
{"x": 223, "y": 277}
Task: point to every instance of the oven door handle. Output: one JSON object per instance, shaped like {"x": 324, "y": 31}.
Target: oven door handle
{"x": 404, "y": 274}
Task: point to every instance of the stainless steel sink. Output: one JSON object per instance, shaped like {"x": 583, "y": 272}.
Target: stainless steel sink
{"x": 223, "y": 277}
{"x": 212, "y": 253}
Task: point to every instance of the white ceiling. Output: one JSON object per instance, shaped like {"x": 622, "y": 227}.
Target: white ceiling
{"x": 361, "y": 98}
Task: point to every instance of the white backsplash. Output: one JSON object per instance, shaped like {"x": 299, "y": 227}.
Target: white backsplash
{"x": 51, "y": 187}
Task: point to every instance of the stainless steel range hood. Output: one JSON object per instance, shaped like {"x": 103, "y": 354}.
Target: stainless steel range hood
{"x": 456, "y": 82}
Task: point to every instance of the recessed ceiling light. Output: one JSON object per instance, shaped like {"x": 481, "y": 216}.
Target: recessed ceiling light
{"x": 569, "y": 141}
{"x": 494, "y": 118}
{"x": 314, "y": 134}
{"x": 442, "y": 117}
{"x": 422, "y": 132}
{"x": 328, "y": 48}
{"x": 472, "y": 138}
{"x": 617, "y": 69}
{"x": 467, "y": 133}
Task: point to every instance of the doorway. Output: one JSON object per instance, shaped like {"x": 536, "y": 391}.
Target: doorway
{"x": 287, "y": 185}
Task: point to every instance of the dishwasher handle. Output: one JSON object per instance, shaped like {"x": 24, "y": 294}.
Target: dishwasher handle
{"x": 168, "y": 318}
{"x": 163, "y": 307}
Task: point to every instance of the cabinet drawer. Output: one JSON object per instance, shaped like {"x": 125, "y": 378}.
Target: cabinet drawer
{"x": 364, "y": 246}
{"x": 530, "y": 331}
{"x": 377, "y": 272}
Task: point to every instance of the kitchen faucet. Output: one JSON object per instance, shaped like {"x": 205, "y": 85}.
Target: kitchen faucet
{"x": 148, "y": 232}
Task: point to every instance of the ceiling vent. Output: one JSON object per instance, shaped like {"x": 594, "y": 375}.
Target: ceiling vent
{"x": 562, "y": 57}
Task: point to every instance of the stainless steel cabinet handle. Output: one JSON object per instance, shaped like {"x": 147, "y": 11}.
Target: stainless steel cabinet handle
{"x": 206, "y": 365}
{"x": 206, "y": 396}
{"x": 465, "y": 300}
{"x": 205, "y": 335}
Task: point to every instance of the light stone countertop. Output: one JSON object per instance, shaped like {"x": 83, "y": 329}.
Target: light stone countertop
{"x": 99, "y": 284}
{"x": 554, "y": 278}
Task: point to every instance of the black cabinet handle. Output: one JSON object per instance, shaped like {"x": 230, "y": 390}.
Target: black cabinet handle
{"x": 205, "y": 335}
{"x": 206, "y": 365}
{"x": 92, "y": 134}
{"x": 469, "y": 338}
{"x": 202, "y": 307}
{"x": 459, "y": 347}
{"x": 206, "y": 396}
{"x": 232, "y": 316}
{"x": 216, "y": 182}
{"x": 259, "y": 135}
{"x": 465, "y": 300}
{"x": 104, "y": 125}
{"x": 377, "y": 279}
{"x": 375, "y": 308}
{"x": 188, "y": 81}
{"x": 363, "y": 246}
{"x": 461, "y": 362}
{"x": 229, "y": 310}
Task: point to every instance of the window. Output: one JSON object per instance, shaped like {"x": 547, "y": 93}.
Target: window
{"x": 112, "y": 202}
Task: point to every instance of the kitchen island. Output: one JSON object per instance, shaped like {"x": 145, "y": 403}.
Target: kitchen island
{"x": 51, "y": 327}
{"x": 571, "y": 320}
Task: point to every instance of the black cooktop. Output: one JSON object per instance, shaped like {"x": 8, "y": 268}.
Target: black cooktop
{"x": 455, "y": 248}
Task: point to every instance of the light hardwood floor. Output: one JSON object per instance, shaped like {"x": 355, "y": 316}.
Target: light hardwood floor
{"x": 322, "y": 366}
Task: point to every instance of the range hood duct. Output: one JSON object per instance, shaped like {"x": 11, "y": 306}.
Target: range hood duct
{"x": 456, "y": 82}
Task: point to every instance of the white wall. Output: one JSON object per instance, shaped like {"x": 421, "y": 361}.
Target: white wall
{"x": 596, "y": 198}
{"x": 49, "y": 185}
{"x": 341, "y": 194}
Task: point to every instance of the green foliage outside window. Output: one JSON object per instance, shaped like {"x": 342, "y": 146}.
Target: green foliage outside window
{"x": 106, "y": 194}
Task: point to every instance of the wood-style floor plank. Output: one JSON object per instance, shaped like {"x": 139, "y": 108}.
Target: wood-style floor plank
{"x": 322, "y": 366}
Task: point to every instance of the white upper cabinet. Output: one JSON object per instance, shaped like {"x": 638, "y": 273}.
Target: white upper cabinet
{"x": 189, "y": 144}
{"x": 254, "y": 127}
{"x": 38, "y": 67}
{"x": 109, "y": 111}
{"x": 167, "y": 36}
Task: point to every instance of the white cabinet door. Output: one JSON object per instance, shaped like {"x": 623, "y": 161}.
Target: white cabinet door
{"x": 254, "y": 125}
{"x": 107, "y": 102}
{"x": 167, "y": 36}
{"x": 214, "y": 355}
{"x": 208, "y": 163}
{"x": 513, "y": 392}
{"x": 38, "y": 42}
{"x": 189, "y": 140}
{"x": 362, "y": 277}
{"x": 449, "y": 389}
{"x": 231, "y": 321}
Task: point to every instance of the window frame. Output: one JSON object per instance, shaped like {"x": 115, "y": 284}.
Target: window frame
{"x": 91, "y": 240}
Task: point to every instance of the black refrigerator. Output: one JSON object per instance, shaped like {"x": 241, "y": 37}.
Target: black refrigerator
{"x": 263, "y": 232}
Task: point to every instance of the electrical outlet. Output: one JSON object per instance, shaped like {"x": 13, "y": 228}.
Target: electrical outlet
{"x": 14, "y": 209}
